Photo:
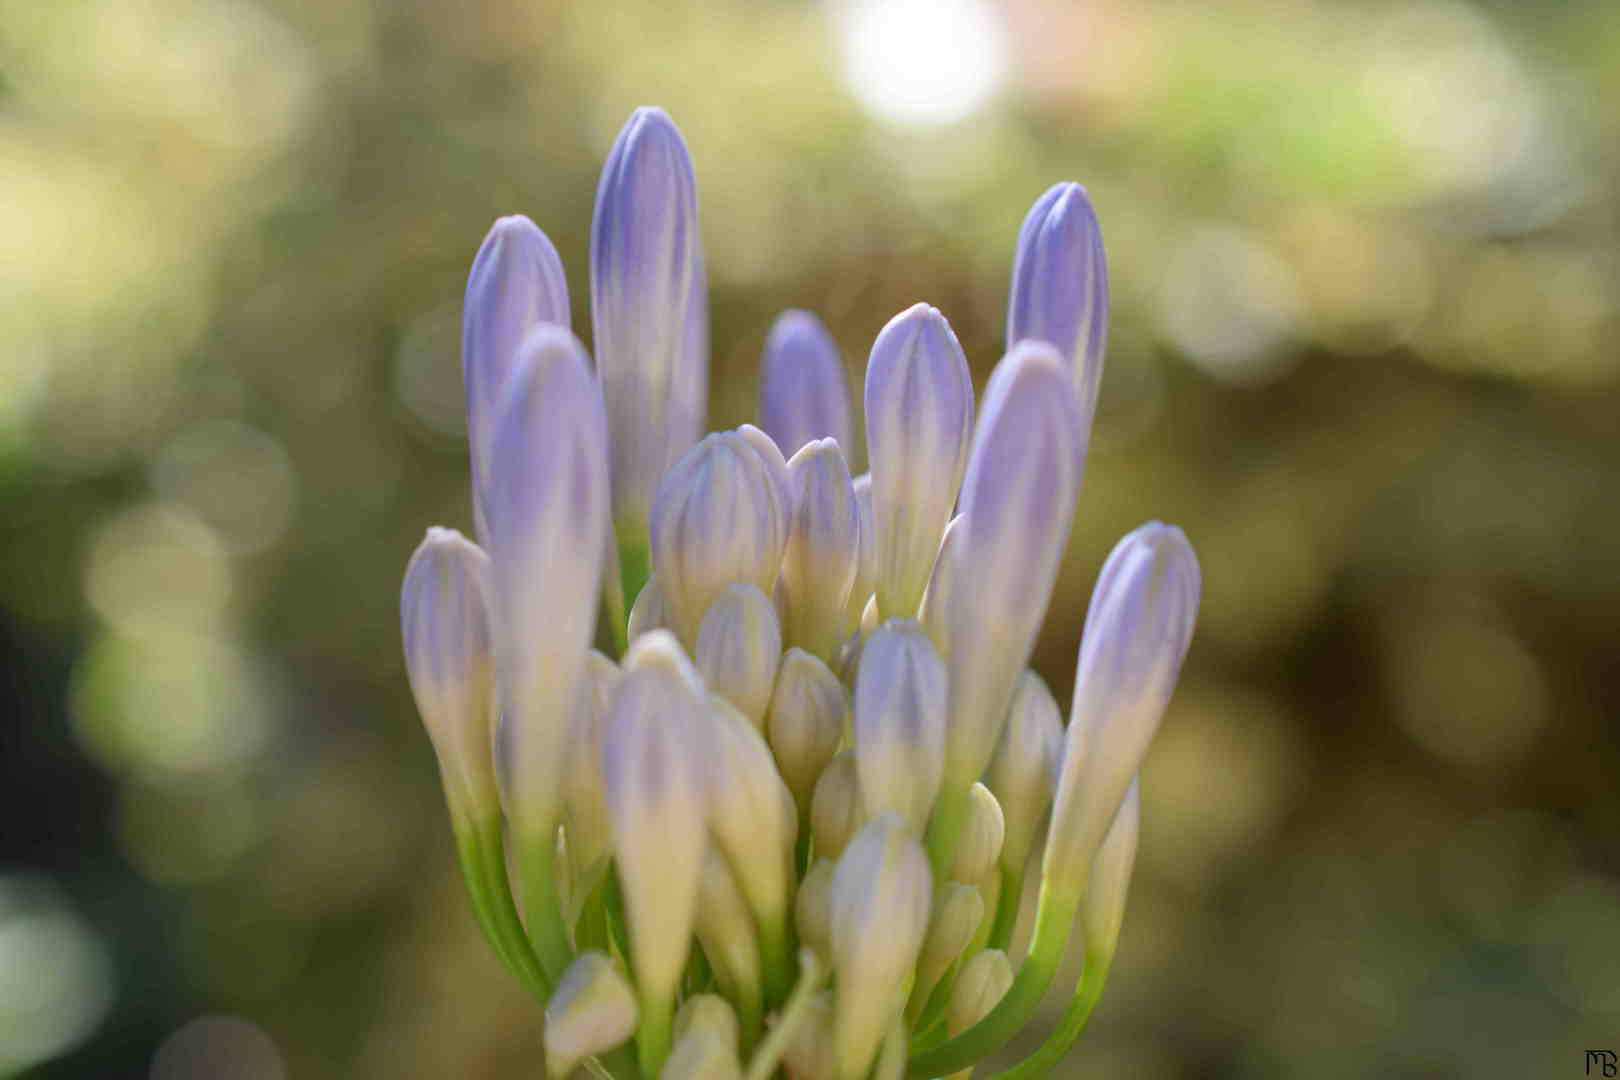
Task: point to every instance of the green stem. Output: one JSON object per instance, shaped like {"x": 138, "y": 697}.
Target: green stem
{"x": 654, "y": 1034}
{"x": 620, "y": 1062}
{"x": 1092, "y": 979}
{"x": 537, "y": 858}
{"x": 945, "y": 830}
{"x": 635, "y": 566}
{"x": 1007, "y": 905}
{"x": 483, "y": 867}
{"x": 776, "y": 958}
{"x": 770, "y": 1052}
{"x": 1053, "y": 920}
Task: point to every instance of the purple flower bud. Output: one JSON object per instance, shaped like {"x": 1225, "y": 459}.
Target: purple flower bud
{"x": 547, "y": 515}
{"x": 900, "y": 722}
{"x": 866, "y": 566}
{"x": 1137, "y": 631}
{"x": 1103, "y": 909}
{"x": 516, "y": 283}
{"x": 444, "y": 613}
{"x": 1023, "y": 772}
{"x": 738, "y": 650}
{"x": 1060, "y": 286}
{"x": 802, "y": 394}
{"x": 718, "y": 520}
{"x": 648, "y": 307}
{"x": 919, "y": 415}
{"x": 1017, "y": 506}
{"x": 819, "y": 564}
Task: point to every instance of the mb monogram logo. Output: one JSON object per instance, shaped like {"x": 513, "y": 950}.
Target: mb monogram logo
{"x": 1602, "y": 1063}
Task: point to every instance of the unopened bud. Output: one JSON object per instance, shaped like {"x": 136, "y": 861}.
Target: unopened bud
{"x": 649, "y": 307}
{"x": 592, "y": 1011}
{"x": 1060, "y": 285}
{"x": 812, "y": 907}
{"x": 958, "y": 911}
{"x": 750, "y": 812}
{"x": 444, "y": 614}
{"x": 1017, "y": 505}
{"x": 699, "y": 1055}
{"x": 517, "y": 283}
{"x": 919, "y": 417}
{"x": 983, "y": 830}
{"x": 1023, "y": 773}
{"x": 802, "y": 395}
{"x": 1137, "y": 631}
{"x": 725, "y": 928}
{"x": 649, "y": 611}
{"x": 653, "y": 777}
{"x": 738, "y": 649}
{"x": 811, "y": 1052}
{"x": 585, "y": 815}
{"x": 900, "y": 722}
{"x": 806, "y": 721}
{"x": 935, "y": 613}
{"x": 709, "y": 1013}
{"x": 775, "y": 463}
{"x": 835, "y": 807}
{"x": 984, "y": 980}
{"x": 718, "y": 519}
{"x": 820, "y": 561}
{"x": 546, "y": 510}
{"x": 880, "y": 905}
{"x": 1103, "y": 909}
{"x": 866, "y": 552}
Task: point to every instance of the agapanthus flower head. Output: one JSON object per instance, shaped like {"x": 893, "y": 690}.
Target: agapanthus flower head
{"x": 732, "y": 696}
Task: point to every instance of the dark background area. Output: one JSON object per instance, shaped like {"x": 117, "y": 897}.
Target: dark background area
{"x": 1366, "y": 292}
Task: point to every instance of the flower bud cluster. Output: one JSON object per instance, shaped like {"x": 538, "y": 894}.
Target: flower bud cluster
{"x": 815, "y": 725}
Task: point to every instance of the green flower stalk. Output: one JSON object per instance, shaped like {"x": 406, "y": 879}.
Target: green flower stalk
{"x": 781, "y": 825}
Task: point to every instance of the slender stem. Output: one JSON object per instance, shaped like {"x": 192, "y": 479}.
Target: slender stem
{"x": 1092, "y": 980}
{"x": 537, "y": 858}
{"x": 635, "y": 566}
{"x": 620, "y": 1062}
{"x": 1007, "y": 905}
{"x": 1053, "y": 920}
{"x": 483, "y": 867}
{"x": 654, "y": 1033}
{"x": 770, "y": 1052}
{"x": 776, "y": 957}
{"x": 945, "y": 830}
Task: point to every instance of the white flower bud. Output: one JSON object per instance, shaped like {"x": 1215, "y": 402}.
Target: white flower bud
{"x": 982, "y": 983}
{"x": 546, "y": 509}
{"x": 1137, "y": 631}
{"x": 1017, "y": 505}
{"x": 700, "y": 1055}
{"x": 739, "y": 646}
{"x": 982, "y": 833}
{"x": 725, "y": 928}
{"x": 802, "y": 396}
{"x": 750, "y": 812}
{"x": 592, "y": 1011}
{"x": 709, "y": 1013}
{"x": 900, "y": 722}
{"x": 866, "y": 552}
{"x": 718, "y": 519}
{"x": 1023, "y": 773}
{"x": 820, "y": 561}
{"x": 810, "y": 1052}
{"x": 935, "y": 613}
{"x": 919, "y": 416}
{"x": 775, "y": 463}
{"x": 585, "y": 815}
{"x": 880, "y": 905}
{"x": 835, "y": 806}
{"x": 812, "y": 907}
{"x": 653, "y": 776}
{"x": 806, "y": 722}
{"x": 444, "y": 613}
{"x": 649, "y": 611}
{"x": 1103, "y": 909}
{"x": 958, "y": 911}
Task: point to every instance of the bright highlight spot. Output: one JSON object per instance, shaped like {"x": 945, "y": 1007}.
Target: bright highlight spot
{"x": 921, "y": 63}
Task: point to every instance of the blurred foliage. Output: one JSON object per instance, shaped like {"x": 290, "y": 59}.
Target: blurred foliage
{"x": 1366, "y": 350}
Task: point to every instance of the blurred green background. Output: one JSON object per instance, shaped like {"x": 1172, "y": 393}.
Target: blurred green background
{"x": 1366, "y": 350}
